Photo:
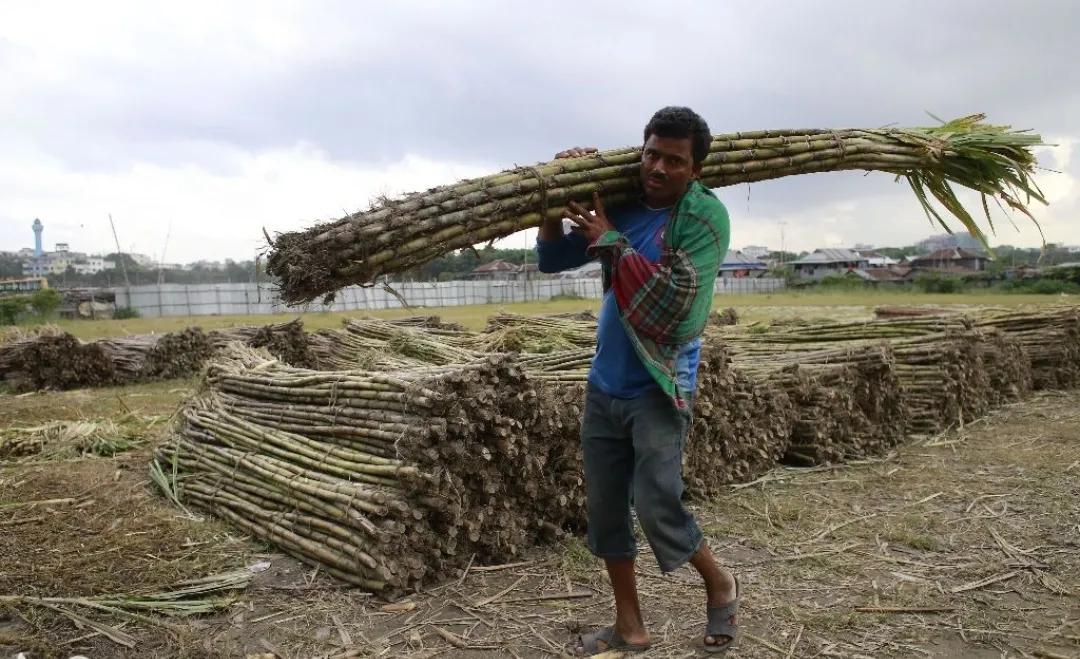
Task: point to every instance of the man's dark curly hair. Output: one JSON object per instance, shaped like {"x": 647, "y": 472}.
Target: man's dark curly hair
{"x": 679, "y": 122}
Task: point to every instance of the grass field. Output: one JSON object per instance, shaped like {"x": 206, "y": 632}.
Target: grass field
{"x": 960, "y": 545}
{"x": 750, "y": 307}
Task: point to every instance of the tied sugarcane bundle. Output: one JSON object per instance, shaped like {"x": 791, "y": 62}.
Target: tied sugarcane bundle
{"x": 286, "y": 341}
{"x": 1049, "y": 337}
{"x": 59, "y": 361}
{"x": 507, "y": 332}
{"x": 848, "y": 399}
{"x": 741, "y": 425}
{"x": 395, "y": 235}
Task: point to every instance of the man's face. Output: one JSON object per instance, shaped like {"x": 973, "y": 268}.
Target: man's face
{"x": 667, "y": 167}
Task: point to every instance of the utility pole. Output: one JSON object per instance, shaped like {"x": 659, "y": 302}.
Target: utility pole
{"x": 782, "y": 255}
{"x": 120, "y": 253}
{"x": 161, "y": 261}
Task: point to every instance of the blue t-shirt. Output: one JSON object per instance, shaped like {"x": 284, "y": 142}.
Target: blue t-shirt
{"x": 616, "y": 369}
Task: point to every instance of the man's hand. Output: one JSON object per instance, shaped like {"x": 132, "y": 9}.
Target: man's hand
{"x": 575, "y": 152}
{"x": 551, "y": 229}
{"x": 590, "y": 225}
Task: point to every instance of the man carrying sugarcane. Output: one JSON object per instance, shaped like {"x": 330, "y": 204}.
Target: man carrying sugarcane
{"x": 660, "y": 256}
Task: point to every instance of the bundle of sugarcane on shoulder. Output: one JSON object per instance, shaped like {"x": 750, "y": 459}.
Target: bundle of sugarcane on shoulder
{"x": 395, "y": 235}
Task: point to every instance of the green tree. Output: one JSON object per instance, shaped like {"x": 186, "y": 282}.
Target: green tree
{"x": 45, "y": 302}
{"x": 10, "y": 265}
{"x": 11, "y": 308}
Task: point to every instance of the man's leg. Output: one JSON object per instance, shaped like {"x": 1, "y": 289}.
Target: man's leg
{"x": 719, "y": 583}
{"x": 659, "y": 432}
{"x": 609, "y": 462}
{"x": 628, "y": 620}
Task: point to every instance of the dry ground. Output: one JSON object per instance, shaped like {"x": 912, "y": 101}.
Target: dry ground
{"x": 964, "y": 545}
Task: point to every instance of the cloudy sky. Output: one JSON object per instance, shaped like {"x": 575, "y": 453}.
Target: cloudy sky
{"x": 207, "y": 121}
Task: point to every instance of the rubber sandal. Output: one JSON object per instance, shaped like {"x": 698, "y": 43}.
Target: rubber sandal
{"x": 722, "y": 621}
{"x": 589, "y": 644}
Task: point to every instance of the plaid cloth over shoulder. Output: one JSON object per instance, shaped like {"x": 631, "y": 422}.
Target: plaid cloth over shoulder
{"x": 665, "y": 305}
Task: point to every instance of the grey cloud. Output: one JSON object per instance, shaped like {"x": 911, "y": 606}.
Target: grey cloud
{"x": 511, "y": 84}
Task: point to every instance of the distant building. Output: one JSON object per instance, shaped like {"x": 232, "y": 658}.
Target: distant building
{"x": 497, "y": 270}
{"x": 15, "y": 286}
{"x": 738, "y": 264}
{"x": 756, "y": 252}
{"x": 874, "y": 259}
{"x": 531, "y": 271}
{"x": 954, "y": 260}
{"x": 822, "y": 263}
{"x": 949, "y": 241}
{"x": 36, "y": 267}
{"x": 893, "y": 274}
{"x": 52, "y": 263}
{"x": 93, "y": 265}
{"x": 143, "y": 260}
{"x": 591, "y": 270}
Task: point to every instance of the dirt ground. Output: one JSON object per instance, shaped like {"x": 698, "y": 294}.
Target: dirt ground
{"x": 962, "y": 545}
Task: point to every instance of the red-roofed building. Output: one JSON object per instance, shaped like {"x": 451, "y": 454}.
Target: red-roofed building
{"x": 497, "y": 270}
{"x": 951, "y": 260}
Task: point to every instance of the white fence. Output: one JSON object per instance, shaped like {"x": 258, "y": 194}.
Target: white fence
{"x": 244, "y": 299}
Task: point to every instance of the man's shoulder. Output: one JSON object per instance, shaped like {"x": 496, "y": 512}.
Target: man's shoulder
{"x": 703, "y": 201}
{"x": 704, "y": 211}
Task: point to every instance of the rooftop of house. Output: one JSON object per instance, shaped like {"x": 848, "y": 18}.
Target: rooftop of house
{"x": 825, "y": 256}
{"x": 738, "y": 260}
{"x": 949, "y": 254}
{"x": 497, "y": 265}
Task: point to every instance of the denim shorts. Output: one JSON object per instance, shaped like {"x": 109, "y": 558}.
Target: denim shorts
{"x": 633, "y": 450}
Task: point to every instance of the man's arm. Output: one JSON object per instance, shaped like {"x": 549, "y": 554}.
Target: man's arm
{"x": 551, "y": 230}
{"x": 563, "y": 253}
{"x": 555, "y": 251}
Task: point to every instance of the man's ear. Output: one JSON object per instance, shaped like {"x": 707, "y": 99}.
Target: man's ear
{"x": 695, "y": 172}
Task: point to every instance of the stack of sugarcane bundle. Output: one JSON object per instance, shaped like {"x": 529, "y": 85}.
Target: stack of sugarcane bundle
{"x": 428, "y": 322}
{"x": 1051, "y": 339}
{"x": 943, "y": 380}
{"x": 848, "y": 400}
{"x": 179, "y": 354}
{"x": 938, "y": 360}
{"x": 902, "y": 312}
{"x": 801, "y": 336}
{"x": 286, "y": 341}
{"x": 129, "y": 355}
{"x": 385, "y": 479}
{"x": 431, "y": 346}
{"x": 1007, "y": 366}
{"x": 59, "y": 361}
{"x": 14, "y": 340}
{"x": 396, "y": 235}
{"x": 506, "y": 332}
{"x": 377, "y": 344}
{"x": 323, "y": 346}
{"x": 562, "y": 366}
{"x": 556, "y": 434}
{"x": 394, "y": 477}
{"x": 740, "y": 428}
